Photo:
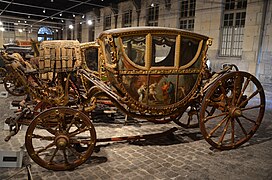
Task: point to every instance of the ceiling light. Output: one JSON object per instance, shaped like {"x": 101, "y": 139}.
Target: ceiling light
{"x": 20, "y": 30}
{"x": 89, "y": 22}
{"x": 25, "y": 22}
{"x": 52, "y": 18}
{"x": 19, "y": 21}
{"x": 71, "y": 26}
{"x": 57, "y": 30}
{"x": 74, "y": 15}
{"x": 62, "y": 20}
{"x": 28, "y": 17}
{"x": 43, "y": 11}
{"x": 2, "y": 29}
{"x": 1, "y": 23}
{"x": 80, "y": 23}
{"x": 52, "y": 0}
{"x": 60, "y": 14}
{"x": 152, "y": 5}
{"x": 83, "y": 16}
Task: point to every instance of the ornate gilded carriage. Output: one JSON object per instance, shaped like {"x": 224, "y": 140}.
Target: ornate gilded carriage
{"x": 154, "y": 73}
{"x": 157, "y": 71}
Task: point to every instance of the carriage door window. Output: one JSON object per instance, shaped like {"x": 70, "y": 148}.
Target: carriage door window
{"x": 163, "y": 51}
{"x": 45, "y": 33}
{"x": 135, "y": 49}
{"x": 92, "y": 58}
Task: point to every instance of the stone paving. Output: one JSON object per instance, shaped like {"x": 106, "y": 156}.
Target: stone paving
{"x": 187, "y": 156}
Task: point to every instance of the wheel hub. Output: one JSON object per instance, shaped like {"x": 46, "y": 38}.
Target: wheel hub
{"x": 235, "y": 112}
{"x": 62, "y": 141}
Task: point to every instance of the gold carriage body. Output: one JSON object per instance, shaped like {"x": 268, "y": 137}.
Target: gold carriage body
{"x": 158, "y": 71}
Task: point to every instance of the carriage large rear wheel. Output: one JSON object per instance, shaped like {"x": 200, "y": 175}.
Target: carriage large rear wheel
{"x": 232, "y": 110}
{"x": 60, "y": 138}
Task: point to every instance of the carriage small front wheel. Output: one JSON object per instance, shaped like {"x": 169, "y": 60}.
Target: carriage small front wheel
{"x": 232, "y": 110}
{"x": 60, "y": 138}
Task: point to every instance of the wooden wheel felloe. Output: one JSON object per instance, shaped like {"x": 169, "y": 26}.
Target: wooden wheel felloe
{"x": 232, "y": 110}
{"x": 54, "y": 136}
{"x": 13, "y": 86}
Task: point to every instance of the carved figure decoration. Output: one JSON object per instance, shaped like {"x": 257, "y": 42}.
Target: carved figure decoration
{"x": 153, "y": 91}
{"x": 142, "y": 91}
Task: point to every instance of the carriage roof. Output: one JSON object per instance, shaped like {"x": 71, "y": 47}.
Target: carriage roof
{"x": 148, "y": 29}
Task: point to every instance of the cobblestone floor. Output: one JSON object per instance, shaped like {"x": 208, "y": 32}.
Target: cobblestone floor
{"x": 188, "y": 156}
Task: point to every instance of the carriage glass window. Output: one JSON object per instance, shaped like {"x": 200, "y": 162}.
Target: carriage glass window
{"x": 134, "y": 47}
{"x": 188, "y": 50}
{"x": 163, "y": 50}
{"x": 91, "y": 56}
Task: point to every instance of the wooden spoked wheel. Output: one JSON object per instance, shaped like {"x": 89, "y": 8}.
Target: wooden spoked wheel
{"x": 189, "y": 118}
{"x": 65, "y": 141}
{"x": 232, "y": 110}
{"x": 13, "y": 86}
{"x": 3, "y": 73}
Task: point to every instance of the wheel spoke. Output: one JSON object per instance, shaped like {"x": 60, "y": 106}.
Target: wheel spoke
{"x": 223, "y": 90}
{"x": 78, "y": 131}
{"x": 211, "y": 111}
{"x": 49, "y": 138}
{"x": 218, "y": 125}
{"x": 45, "y": 148}
{"x": 240, "y": 124}
{"x": 74, "y": 152}
{"x": 53, "y": 155}
{"x": 65, "y": 156}
{"x": 224, "y": 132}
{"x": 80, "y": 140}
{"x": 250, "y": 97}
{"x": 70, "y": 125}
{"x": 250, "y": 120}
{"x": 215, "y": 116}
{"x": 232, "y": 131}
{"x": 253, "y": 107}
{"x": 234, "y": 91}
{"x": 243, "y": 90}
{"x": 46, "y": 126}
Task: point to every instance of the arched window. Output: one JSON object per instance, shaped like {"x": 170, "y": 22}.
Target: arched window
{"x": 45, "y": 33}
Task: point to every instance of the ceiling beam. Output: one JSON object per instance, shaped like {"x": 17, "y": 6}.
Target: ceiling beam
{"x": 36, "y": 15}
{"x": 63, "y": 11}
{"x": 6, "y": 7}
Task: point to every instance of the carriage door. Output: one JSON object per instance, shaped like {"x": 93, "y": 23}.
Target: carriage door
{"x": 163, "y": 78}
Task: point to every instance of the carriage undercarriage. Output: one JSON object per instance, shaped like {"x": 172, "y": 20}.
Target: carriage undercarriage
{"x": 227, "y": 106}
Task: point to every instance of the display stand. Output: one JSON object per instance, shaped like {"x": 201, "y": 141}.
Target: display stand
{"x": 25, "y": 161}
